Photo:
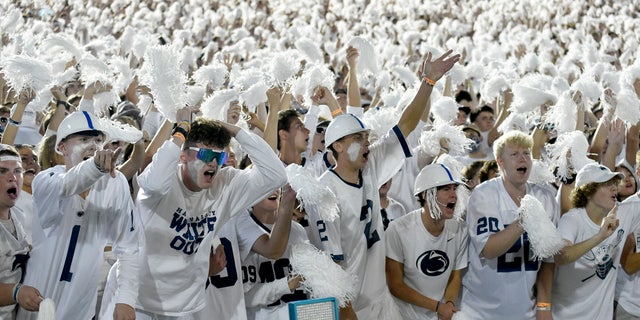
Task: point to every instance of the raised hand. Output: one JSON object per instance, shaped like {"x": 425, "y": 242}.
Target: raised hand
{"x": 106, "y": 159}
{"x": 435, "y": 69}
{"x": 610, "y": 223}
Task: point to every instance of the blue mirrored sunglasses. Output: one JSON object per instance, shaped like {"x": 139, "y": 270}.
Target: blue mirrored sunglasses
{"x": 208, "y": 155}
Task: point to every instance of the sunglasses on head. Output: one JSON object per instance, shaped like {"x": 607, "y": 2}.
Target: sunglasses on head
{"x": 208, "y": 155}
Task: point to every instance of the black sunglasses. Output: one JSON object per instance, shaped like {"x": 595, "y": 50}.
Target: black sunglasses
{"x": 320, "y": 130}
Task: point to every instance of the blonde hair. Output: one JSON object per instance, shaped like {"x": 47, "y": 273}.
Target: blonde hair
{"x": 513, "y": 138}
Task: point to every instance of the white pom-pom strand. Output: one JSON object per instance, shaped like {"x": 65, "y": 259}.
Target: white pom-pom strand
{"x": 544, "y": 238}
{"x": 322, "y": 277}
{"x": 311, "y": 193}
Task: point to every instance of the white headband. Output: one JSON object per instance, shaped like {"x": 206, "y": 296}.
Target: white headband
{"x": 10, "y": 158}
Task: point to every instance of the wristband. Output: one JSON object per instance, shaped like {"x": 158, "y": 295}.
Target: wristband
{"x": 543, "y": 306}
{"x": 181, "y": 131}
{"x": 437, "y": 307}
{"x": 179, "y": 135}
{"x": 186, "y": 123}
{"x": 336, "y": 112}
{"x": 15, "y": 123}
{"x": 429, "y": 81}
{"x": 451, "y": 303}
{"x": 16, "y": 289}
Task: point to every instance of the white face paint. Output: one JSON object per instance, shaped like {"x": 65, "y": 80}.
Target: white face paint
{"x": 354, "y": 151}
{"x": 194, "y": 167}
{"x": 78, "y": 150}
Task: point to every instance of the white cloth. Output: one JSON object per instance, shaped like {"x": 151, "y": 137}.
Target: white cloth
{"x": 585, "y": 288}
{"x": 70, "y": 233}
{"x": 356, "y": 237}
{"x": 265, "y": 280}
{"x": 501, "y": 288}
{"x": 427, "y": 260}
{"x": 628, "y": 286}
{"x": 25, "y": 214}
{"x": 176, "y": 221}
{"x": 14, "y": 252}
{"x": 224, "y": 291}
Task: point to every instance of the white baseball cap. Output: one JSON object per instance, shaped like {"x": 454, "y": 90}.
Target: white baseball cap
{"x": 595, "y": 173}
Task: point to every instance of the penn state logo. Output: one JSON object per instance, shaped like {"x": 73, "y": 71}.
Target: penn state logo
{"x": 433, "y": 263}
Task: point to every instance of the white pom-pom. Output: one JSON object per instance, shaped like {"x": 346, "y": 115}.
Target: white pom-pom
{"x": 405, "y": 75}
{"x": 161, "y": 72}
{"x": 322, "y": 277}
{"x": 528, "y": 99}
{"x": 568, "y": 153}
{"x": 195, "y": 95}
{"x": 124, "y": 74}
{"x": 430, "y": 140}
{"x": 47, "y": 310}
{"x": 445, "y": 109}
{"x": 313, "y": 77}
{"x": 23, "y": 72}
{"x": 283, "y": 66}
{"x": 93, "y": 70}
{"x": 103, "y": 100}
{"x": 545, "y": 239}
{"x": 494, "y": 87}
{"x": 310, "y": 49}
{"x": 216, "y": 105}
{"x": 564, "y": 114}
{"x": 254, "y": 95}
{"x": 540, "y": 173}
{"x": 213, "y": 76}
{"x": 514, "y": 121}
{"x": 627, "y": 106}
{"x": 380, "y": 121}
{"x": 588, "y": 87}
{"x": 117, "y": 131}
{"x": 368, "y": 60}
{"x": 311, "y": 193}
{"x": 66, "y": 42}
{"x": 460, "y": 315}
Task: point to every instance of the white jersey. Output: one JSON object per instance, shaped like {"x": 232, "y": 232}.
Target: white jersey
{"x": 265, "y": 280}
{"x": 628, "y": 286}
{"x": 356, "y": 237}
{"x": 224, "y": 291}
{"x": 25, "y": 214}
{"x": 403, "y": 182}
{"x": 176, "y": 221}
{"x": 70, "y": 233}
{"x": 501, "y": 288}
{"x": 14, "y": 251}
{"x": 427, "y": 260}
{"x": 585, "y": 288}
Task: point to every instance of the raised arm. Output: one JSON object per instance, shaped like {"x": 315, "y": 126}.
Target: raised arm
{"x": 431, "y": 72}
{"x": 353, "y": 88}
{"x": 274, "y": 245}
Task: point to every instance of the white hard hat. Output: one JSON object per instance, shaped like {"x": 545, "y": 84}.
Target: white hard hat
{"x": 341, "y": 126}
{"x": 433, "y": 175}
{"x": 77, "y": 122}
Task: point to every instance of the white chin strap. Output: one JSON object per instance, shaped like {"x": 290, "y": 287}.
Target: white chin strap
{"x": 432, "y": 203}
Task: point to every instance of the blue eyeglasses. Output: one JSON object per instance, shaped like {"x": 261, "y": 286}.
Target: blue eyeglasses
{"x": 208, "y": 155}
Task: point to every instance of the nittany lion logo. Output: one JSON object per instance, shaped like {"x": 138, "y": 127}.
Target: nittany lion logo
{"x": 433, "y": 263}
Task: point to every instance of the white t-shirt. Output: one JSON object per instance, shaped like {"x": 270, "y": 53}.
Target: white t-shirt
{"x": 70, "y": 233}
{"x": 224, "y": 291}
{"x": 427, "y": 260}
{"x": 265, "y": 280}
{"x": 585, "y": 288}
{"x": 176, "y": 221}
{"x": 501, "y": 288}
{"x": 14, "y": 252}
{"x": 628, "y": 286}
